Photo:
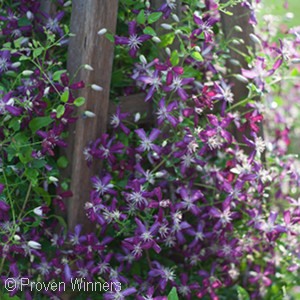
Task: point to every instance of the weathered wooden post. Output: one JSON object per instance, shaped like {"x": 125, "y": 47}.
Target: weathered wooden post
{"x": 86, "y": 47}
{"x": 240, "y": 17}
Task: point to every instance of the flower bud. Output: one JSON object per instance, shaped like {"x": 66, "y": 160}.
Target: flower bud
{"x": 254, "y": 38}
{"x": 88, "y": 67}
{"x": 175, "y": 18}
{"x": 102, "y": 31}
{"x": 96, "y": 88}
{"x": 34, "y": 245}
{"x": 241, "y": 78}
{"x": 197, "y": 48}
{"x": 156, "y": 39}
{"x": 143, "y": 59}
{"x": 29, "y": 15}
{"x": 234, "y": 62}
{"x": 168, "y": 51}
{"x": 137, "y": 117}
{"x": 17, "y": 238}
{"x": 53, "y": 179}
{"x": 89, "y": 114}
{"x": 16, "y": 64}
{"x": 166, "y": 26}
{"x": 27, "y": 72}
{"x": 295, "y": 60}
{"x": 68, "y": 3}
{"x": 159, "y": 174}
{"x": 38, "y": 211}
{"x": 46, "y": 90}
{"x": 238, "y": 28}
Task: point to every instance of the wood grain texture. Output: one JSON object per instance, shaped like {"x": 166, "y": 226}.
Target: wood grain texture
{"x": 86, "y": 47}
{"x": 48, "y": 7}
{"x": 240, "y": 17}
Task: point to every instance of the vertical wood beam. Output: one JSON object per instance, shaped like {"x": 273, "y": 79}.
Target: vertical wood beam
{"x": 86, "y": 47}
{"x": 48, "y": 7}
{"x": 240, "y": 17}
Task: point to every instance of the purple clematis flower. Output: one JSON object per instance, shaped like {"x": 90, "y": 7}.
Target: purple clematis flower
{"x": 154, "y": 80}
{"x": 116, "y": 120}
{"x": 118, "y": 294}
{"x": 51, "y": 140}
{"x": 7, "y": 105}
{"x": 164, "y": 111}
{"x": 103, "y": 186}
{"x": 133, "y": 41}
{"x": 5, "y": 62}
{"x": 147, "y": 141}
{"x": 164, "y": 274}
{"x": 167, "y": 7}
{"x": 205, "y": 27}
{"x": 258, "y": 73}
{"x": 271, "y": 229}
{"x": 52, "y": 24}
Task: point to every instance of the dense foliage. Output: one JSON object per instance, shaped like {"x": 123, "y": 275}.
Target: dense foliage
{"x": 183, "y": 208}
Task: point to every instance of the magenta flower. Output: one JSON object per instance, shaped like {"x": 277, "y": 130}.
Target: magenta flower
{"x": 177, "y": 86}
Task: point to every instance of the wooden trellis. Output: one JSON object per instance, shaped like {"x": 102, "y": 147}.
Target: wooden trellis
{"x": 86, "y": 47}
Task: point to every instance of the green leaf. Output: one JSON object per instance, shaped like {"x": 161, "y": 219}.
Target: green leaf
{"x": 65, "y": 96}
{"x": 57, "y": 74}
{"x": 23, "y": 22}
{"x": 141, "y": 17}
{"x": 154, "y": 17}
{"x": 110, "y": 37}
{"x": 197, "y": 56}
{"x": 190, "y": 72}
{"x": 23, "y": 57}
{"x": 173, "y": 294}
{"x": 40, "y": 122}
{"x": 150, "y": 31}
{"x": 294, "y": 72}
{"x": 60, "y": 110}
{"x": 37, "y": 52}
{"x": 166, "y": 39}
{"x": 18, "y": 42}
{"x": 62, "y": 162}
{"x": 278, "y": 100}
{"x": 24, "y": 155}
{"x": 14, "y": 124}
{"x": 8, "y": 297}
{"x": 242, "y": 293}
{"x": 79, "y": 101}
{"x": 32, "y": 176}
{"x": 174, "y": 58}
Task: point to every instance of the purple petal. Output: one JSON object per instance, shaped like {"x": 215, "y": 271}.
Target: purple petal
{"x": 132, "y": 27}
{"x": 144, "y": 37}
{"x": 121, "y": 40}
{"x": 154, "y": 134}
{"x": 141, "y": 133}
{"x": 182, "y": 94}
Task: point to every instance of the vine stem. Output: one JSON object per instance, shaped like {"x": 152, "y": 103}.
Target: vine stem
{"x": 26, "y": 200}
